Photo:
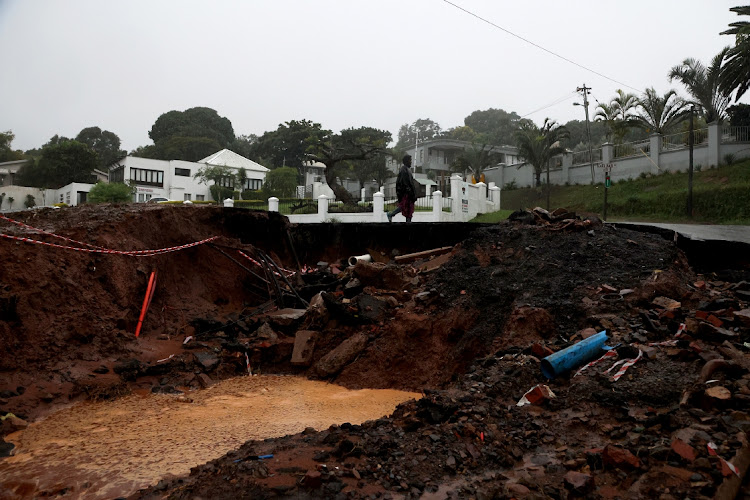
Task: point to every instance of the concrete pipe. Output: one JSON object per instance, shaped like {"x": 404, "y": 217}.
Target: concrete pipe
{"x": 356, "y": 258}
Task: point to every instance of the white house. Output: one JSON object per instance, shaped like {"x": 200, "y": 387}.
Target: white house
{"x": 174, "y": 179}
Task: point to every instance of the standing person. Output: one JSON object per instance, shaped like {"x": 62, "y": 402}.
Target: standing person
{"x": 405, "y": 191}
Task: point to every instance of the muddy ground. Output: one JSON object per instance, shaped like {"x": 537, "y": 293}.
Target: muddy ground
{"x": 467, "y": 329}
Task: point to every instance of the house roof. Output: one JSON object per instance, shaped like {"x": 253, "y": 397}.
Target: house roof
{"x": 227, "y": 158}
{"x": 425, "y": 182}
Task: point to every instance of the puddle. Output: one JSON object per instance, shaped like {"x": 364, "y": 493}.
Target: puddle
{"x": 110, "y": 449}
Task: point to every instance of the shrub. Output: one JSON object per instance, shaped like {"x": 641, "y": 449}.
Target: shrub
{"x": 729, "y": 159}
{"x": 110, "y": 192}
{"x": 30, "y": 201}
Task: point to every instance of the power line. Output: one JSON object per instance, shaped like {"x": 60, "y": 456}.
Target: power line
{"x": 554, "y": 103}
{"x": 539, "y": 46}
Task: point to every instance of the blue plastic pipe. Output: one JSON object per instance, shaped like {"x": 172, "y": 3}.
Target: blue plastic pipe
{"x": 581, "y": 352}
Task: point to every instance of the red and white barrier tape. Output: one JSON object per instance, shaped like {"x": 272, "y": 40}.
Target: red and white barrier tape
{"x": 48, "y": 233}
{"x": 712, "y": 451}
{"x": 628, "y": 364}
{"x": 287, "y": 272}
{"x": 609, "y": 354}
{"x": 132, "y": 253}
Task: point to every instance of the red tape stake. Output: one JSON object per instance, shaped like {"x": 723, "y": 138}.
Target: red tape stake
{"x": 146, "y": 302}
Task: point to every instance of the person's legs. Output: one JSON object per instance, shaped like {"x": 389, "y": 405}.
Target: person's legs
{"x": 393, "y": 212}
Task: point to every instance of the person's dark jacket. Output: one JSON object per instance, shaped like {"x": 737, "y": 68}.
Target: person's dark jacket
{"x": 405, "y": 184}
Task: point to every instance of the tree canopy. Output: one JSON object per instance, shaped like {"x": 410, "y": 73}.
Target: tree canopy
{"x": 735, "y": 73}
{"x": 702, "y": 83}
{"x": 426, "y": 128}
{"x": 61, "y": 163}
{"x": 537, "y": 145}
{"x": 494, "y": 126}
{"x": 6, "y": 151}
{"x": 660, "y": 114}
{"x": 106, "y": 144}
{"x": 281, "y": 182}
{"x": 287, "y": 145}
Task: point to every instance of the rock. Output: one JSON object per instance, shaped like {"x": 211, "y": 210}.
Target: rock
{"x": 517, "y": 489}
{"x": 6, "y": 448}
{"x": 304, "y": 346}
{"x": 743, "y": 316}
{"x": 266, "y": 332}
{"x": 11, "y": 423}
{"x": 587, "y": 332}
{"x": 372, "y": 308}
{"x": 101, "y": 370}
{"x": 286, "y": 317}
{"x": 541, "y": 351}
{"x": 204, "y": 380}
{"x": 334, "y": 361}
{"x": 715, "y": 321}
{"x": 684, "y": 450}
{"x": 312, "y": 479}
{"x": 129, "y": 369}
{"x": 666, "y": 303}
{"x": 529, "y": 323}
{"x": 712, "y": 333}
{"x": 719, "y": 392}
{"x": 578, "y": 480}
{"x": 619, "y": 457}
{"x": 536, "y": 395}
{"x": 207, "y": 360}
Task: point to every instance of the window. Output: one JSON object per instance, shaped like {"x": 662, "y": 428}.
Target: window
{"x": 184, "y": 172}
{"x": 117, "y": 174}
{"x": 148, "y": 177}
{"x": 186, "y": 197}
{"x": 226, "y": 182}
{"x": 200, "y": 197}
{"x": 255, "y": 184}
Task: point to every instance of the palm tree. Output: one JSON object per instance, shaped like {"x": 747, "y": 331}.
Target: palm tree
{"x": 660, "y": 114}
{"x": 735, "y": 74}
{"x": 476, "y": 158}
{"x": 618, "y": 115}
{"x": 538, "y": 145}
{"x": 703, "y": 84}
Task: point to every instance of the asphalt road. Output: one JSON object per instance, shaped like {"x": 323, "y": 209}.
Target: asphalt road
{"x": 700, "y": 232}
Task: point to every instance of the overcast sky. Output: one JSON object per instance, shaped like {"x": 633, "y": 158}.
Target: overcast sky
{"x": 343, "y": 63}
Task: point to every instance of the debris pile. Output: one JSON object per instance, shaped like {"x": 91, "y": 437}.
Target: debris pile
{"x": 658, "y": 410}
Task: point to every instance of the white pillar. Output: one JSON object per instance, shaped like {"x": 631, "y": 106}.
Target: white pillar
{"x": 229, "y": 202}
{"x": 481, "y": 197}
{"x": 456, "y": 196}
{"x": 362, "y": 195}
{"x": 273, "y": 204}
{"x": 378, "y": 207}
{"x": 495, "y": 197}
{"x": 437, "y": 206}
{"x": 714, "y": 144}
{"x": 655, "y": 146}
{"x": 322, "y": 207}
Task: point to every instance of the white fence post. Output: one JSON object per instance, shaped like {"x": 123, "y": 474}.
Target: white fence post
{"x": 481, "y": 197}
{"x": 437, "y": 206}
{"x": 714, "y": 144}
{"x": 273, "y": 204}
{"x": 378, "y": 207}
{"x": 495, "y": 197}
{"x": 322, "y": 207}
{"x": 228, "y": 203}
{"x": 457, "y": 194}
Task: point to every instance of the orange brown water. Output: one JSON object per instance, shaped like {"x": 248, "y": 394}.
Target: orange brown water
{"x": 103, "y": 450}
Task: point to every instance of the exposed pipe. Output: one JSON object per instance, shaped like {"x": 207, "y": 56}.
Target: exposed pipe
{"x": 356, "y": 258}
{"x": 563, "y": 361}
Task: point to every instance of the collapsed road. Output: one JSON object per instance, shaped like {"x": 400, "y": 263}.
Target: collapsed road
{"x": 664, "y": 415}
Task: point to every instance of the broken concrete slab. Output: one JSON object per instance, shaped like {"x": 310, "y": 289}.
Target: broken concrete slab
{"x": 304, "y": 346}
{"x": 338, "y": 358}
{"x": 207, "y": 360}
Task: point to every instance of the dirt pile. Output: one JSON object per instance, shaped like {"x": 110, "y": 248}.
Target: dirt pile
{"x": 467, "y": 328}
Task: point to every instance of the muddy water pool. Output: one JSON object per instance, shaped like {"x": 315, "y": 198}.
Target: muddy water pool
{"x": 110, "y": 449}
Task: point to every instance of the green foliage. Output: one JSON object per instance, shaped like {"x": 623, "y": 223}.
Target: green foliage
{"x": 6, "y": 152}
{"x": 10, "y": 201}
{"x": 287, "y": 145}
{"x": 537, "y": 145}
{"x": 703, "y": 85}
{"x": 189, "y": 135}
{"x": 424, "y": 127}
{"x": 660, "y": 114}
{"x": 729, "y": 159}
{"x": 220, "y": 193}
{"x": 739, "y": 115}
{"x": 30, "y": 201}
{"x": 106, "y": 144}
{"x": 249, "y": 194}
{"x": 223, "y": 180}
{"x": 492, "y": 217}
{"x": 62, "y": 162}
{"x": 510, "y": 186}
{"x": 476, "y": 159}
{"x": 281, "y": 182}
{"x": 735, "y": 73}
{"x": 494, "y": 126}
{"x": 110, "y": 192}
{"x": 60, "y": 205}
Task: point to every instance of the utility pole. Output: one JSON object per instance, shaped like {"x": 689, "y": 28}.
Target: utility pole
{"x": 586, "y": 91}
{"x": 690, "y": 166}
{"x": 416, "y": 146}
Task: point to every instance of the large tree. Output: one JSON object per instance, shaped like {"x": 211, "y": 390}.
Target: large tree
{"x": 537, "y": 145}
{"x": 494, "y": 126}
{"x": 6, "y": 151}
{"x": 189, "y": 135}
{"x": 476, "y": 158}
{"x": 660, "y": 114}
{"x": 425, "y": 128}
{"x": 735, "y": 73}
{"x": 60, "y": 164}
{"x": 106, "y": 144}
{"x": 702, "y": 83}
{"x": 287, "y": 145}
{"x": 336, "y": 150}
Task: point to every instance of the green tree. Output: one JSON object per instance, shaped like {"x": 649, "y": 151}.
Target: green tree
{"x": 335, "y": 150}
{"x": 618, "y": 116}
{"x": 243, "y": 145}
{"x": 6, "y": 151}
{"x": 281, "y": 182}
{"x": 426, "y": 128}
{"x": 537, "y": 145}
{"x": 661, "y": 114}
{"x": 494, "y": 126}
{"x": 61, "y": 163}
{"x": 476, "y": 159}
{"x": 462, "y": 133}
{"x": 189, "y": 135}
{"x": 106, "y": 144}
{"x": 739, "y": 115}
{"x": 735, "y": 73}
{"x": 30, "y": 201}
{"x": 110, "y": 192}
{"x": 702, "y": 83}
{"x": 223, "y": 181}
{"x": 287, "y": 145}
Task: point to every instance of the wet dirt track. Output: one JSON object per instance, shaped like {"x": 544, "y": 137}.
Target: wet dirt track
{"x": 105, "y": 450}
